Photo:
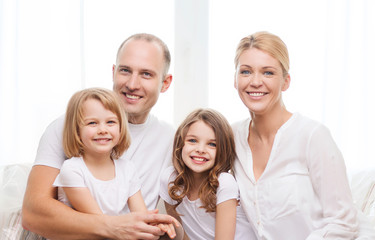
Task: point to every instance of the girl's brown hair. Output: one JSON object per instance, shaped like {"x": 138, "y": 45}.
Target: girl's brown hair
{"x": 225, "y": 155}
{"x": 73, "y": 146}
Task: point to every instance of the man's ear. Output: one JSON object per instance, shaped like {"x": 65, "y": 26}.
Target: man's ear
{"x": 166, "y": 83}
{"x": 113, "y": 72}
{"x": 286, "y": 83}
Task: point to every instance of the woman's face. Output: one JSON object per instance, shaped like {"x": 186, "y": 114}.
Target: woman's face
{"x": 259, "y": 81}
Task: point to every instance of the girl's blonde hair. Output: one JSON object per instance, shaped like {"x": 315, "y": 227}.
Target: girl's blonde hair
{"x": 72, "y": 143}
{"x": 268, "y": 43}
{"x": 225, "y": 155}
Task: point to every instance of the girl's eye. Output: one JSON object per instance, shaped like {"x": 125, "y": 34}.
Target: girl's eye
{"x": 111, "y": 122}
{"x": 212, "y": 144}
{"x": 192, "y": 140}
{"x": 91, "y": 123}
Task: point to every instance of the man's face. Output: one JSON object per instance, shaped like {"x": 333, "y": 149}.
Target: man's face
{"x": 138, "y": 77}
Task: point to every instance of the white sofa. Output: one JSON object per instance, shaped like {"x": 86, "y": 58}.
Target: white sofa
{"x": 13, "y": 180}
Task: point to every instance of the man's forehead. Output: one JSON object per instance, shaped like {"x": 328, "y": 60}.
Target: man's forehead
{"x": 141, "y": 54}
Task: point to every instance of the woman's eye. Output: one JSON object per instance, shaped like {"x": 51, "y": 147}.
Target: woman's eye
{"x": 268, "y": 73}
{"x": 245, "y": 72}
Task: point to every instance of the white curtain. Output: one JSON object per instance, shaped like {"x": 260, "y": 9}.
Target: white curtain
{"x": 49, "y": 49}
{"x": 331, "y": 47}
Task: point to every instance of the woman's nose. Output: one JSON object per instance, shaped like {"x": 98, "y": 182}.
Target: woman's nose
{"x": 256, "y": 80}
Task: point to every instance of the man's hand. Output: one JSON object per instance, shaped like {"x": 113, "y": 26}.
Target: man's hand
{"x": 139, "y": 225}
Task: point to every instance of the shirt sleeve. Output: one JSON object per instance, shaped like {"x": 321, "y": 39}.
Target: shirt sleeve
{"x": 328, "y": 176}
{"x": 70, "y": 175}
{"x": 50, "y": 150}
{"x": 228, "y": 188}
{"x": 166, "y": 177}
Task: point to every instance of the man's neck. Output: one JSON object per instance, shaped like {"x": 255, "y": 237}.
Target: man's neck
{"x": 137, "y": 119}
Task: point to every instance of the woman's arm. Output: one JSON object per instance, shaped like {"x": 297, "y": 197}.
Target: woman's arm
{"x": 226, "y": 220}
{"x": 328, "y": 177}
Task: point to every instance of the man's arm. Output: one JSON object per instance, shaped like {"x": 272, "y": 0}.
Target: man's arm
{"x": 44, "y": 215}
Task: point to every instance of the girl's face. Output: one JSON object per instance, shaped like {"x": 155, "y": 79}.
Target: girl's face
{"x": 101, "y": 130}
{"x": 199, "y": 151}
{"x": 259, "y": 81}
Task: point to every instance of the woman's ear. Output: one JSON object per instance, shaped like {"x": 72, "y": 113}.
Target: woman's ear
{"x": 286, "y": 83}
{"x": 235, "y": 80}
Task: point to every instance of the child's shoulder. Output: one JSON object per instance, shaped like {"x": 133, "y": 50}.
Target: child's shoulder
{"x": 226, "y": 177}
{"x": 73, "y": 162}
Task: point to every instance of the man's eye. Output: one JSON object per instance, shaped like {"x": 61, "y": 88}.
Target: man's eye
{"x": 124, "y": 70}
{"x": 147, "y": 74}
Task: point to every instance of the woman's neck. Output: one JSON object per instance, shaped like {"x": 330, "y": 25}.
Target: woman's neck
{"x": 265, "y": 126}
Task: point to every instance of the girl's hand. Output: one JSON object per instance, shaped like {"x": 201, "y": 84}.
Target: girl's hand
{"x": 168, "y": 229}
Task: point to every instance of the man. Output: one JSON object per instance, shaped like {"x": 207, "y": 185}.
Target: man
{"x": 139, "y": 76}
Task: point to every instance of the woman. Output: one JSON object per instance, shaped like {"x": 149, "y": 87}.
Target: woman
{"x": 291, "y": 175}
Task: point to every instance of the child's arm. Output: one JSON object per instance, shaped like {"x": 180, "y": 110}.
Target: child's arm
{"x": 226, "y": 220}
{"x": 172, "y": 212}
{"x": 82, "y": 200}
{"x": 136, "y": 203}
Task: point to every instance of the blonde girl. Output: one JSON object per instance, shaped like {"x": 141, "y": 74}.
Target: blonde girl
{"x": 198, "y": 188}
{"x": 93, "y": 179}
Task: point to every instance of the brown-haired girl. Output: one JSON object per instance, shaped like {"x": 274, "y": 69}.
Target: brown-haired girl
{"x": 198, "y": 188}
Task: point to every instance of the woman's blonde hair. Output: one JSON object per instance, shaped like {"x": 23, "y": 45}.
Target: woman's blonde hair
{"x": 268, "y": 43}
{"x": 72, "y": 143}
{"x": 225, "y": 155}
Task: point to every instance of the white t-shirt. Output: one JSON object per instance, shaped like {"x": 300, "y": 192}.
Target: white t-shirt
{"x": 111, "y": 195}
{"x": 197, "y": 223}
{"x": 303, "y": 192}
{"x": 150, "y": 151}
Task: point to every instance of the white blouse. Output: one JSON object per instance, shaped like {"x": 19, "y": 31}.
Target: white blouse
{"x": 303, "y": 192}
